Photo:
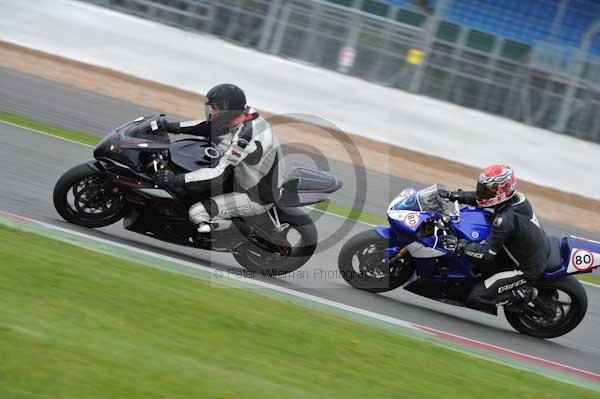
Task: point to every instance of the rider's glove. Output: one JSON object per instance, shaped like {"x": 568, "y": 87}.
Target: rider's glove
{"x": 452, "y": 244}
{"x": 168, "y": 179}
{"x": 163, "y": 124}
{"x": 170, "y": 127}
{"x": 444, "y": 193}
{"x": 451, "y": 195}
{"x": 154, "y": 126}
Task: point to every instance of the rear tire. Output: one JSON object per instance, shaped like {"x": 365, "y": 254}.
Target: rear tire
{"x": 70, "y": 183}
{"x": 365, "y": 250}
{"x": 578, "y": 307}
{"x": 259, "y": 260}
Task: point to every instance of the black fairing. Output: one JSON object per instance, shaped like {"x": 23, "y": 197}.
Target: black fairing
{"x": 131, "y": 146}
{"x": 446, "y": 291}
{"x": 134, "y": 146}
{"x": 130, "y": 151}
{"x": 192, "y": 154}
{"x": 554, "y": 258}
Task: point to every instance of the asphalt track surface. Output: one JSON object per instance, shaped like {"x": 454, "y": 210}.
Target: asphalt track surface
{"x": 31, "y": 163}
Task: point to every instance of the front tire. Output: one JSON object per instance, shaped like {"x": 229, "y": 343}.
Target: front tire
{"x": 364, "y": 265}
{"x": 568, "y": 314}
{"x": 80, "y": 197}
{"x": 305, "y": 238}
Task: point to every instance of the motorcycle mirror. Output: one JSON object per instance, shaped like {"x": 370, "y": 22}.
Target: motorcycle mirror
{"x": 455, "y": 216}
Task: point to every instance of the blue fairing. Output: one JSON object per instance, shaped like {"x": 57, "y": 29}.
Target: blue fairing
{"x": 396, "y": 242}
{"x": 410, "y": 223}
{"x": 384, "y": 231}
{"x": 572, "y": 242}
{"x": 473, "y": 224}
{"x": 569, "y": 244}
{"x": 418, "y": 220}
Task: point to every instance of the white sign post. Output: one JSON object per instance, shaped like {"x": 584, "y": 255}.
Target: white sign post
{"x": 346, "y": 59}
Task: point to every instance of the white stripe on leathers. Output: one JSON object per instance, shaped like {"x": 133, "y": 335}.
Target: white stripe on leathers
{"x": 499, "y": 276}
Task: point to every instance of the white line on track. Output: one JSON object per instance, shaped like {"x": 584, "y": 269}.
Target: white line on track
{"x": 351, "y": 309}
{"x": 319, "y": 210}
{"x": 298, "y": 294}
{"x": 243, "y": 279}
{"x": 589, "y": 284}
{"x": 46, "y": 134}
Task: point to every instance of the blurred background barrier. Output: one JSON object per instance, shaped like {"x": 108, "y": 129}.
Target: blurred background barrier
{"x": 535, "y": 61}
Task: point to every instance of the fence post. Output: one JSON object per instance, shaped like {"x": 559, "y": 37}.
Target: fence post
{"x": 558, "y": 21}
{"x": 270, "y": 21}
{"x": 582, "y": 53}
{"x": 430, "y": 31}
{"x": 280, "y": 31}
{"x": 312, "y": 31}
{"x": 355, "y": 29}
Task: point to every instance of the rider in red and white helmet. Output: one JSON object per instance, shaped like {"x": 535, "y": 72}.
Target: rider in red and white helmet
{"x": 496, "y": 184}
{"x": 517, "y": 243}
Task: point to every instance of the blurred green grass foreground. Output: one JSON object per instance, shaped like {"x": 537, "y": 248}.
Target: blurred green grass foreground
{"x": 78, "y": 324}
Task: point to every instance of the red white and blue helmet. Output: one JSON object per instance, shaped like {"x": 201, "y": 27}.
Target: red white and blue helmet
{"x": 496, "y": 184}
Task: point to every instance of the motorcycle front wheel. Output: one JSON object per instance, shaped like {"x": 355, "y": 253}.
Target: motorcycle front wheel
{"x": 364, "y": 265}
{"x": 85, "y": 197}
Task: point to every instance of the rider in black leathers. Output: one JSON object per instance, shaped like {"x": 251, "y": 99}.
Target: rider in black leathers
{"x": 516, "y": 231}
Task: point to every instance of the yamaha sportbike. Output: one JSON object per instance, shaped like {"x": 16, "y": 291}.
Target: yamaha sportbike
{"x": 118, "y": 184}
{"x": 408, "y": 253}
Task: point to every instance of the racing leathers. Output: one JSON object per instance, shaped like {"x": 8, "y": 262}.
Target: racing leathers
{"x": 252, "y": 151}
{"x": 517, "y": 232}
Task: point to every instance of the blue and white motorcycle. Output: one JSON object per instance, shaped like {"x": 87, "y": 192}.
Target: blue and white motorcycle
{"x": 408, "y": 253}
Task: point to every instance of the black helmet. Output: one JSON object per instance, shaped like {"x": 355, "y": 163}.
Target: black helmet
{"x": 231, "y": 102}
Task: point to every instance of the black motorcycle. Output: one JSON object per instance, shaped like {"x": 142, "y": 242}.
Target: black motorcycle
{"x": 118, "y": 184}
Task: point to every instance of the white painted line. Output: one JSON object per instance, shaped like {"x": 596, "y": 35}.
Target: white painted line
{"x": 589, "y": 284}
{"x": 517, "y": 355}
{"x": 243, "y": 279}
{"x": 398, "y": 322}
{"x": 319, "y": 210}
{"x": 340, "y": 216}
{"x": 46, "y": 134}
{"x": 91, "y": 146}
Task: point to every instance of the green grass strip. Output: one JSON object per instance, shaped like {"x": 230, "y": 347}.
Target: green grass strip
{"x": 80, "y": 137}
{"x": 327, "y": 206}
{"x": 77, "y": 323}
{"x": 152, "y": 260}
{"x": 589, "y": 278}
{"x": 350, "y": 213}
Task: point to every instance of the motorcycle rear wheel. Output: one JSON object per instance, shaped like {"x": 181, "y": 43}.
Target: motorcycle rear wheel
{"x": 568, "y": 314}
{"x": 257, "y": 259}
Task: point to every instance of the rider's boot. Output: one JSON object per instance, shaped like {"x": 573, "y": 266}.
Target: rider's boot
{"x": 213, "y": 225}
{"x": 266, "y": 229}
{"x": 521, "y": 295}
{"x": 211, "y": 231}
{"x": 204, "y": 228}
{"x": 516, "y": 298}
{"x": 512, "y": 299}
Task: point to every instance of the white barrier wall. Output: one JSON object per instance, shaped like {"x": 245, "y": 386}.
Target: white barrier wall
{"x": 196, "y": 62}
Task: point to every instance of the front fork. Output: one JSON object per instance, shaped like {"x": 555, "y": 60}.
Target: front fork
{"x": 393, "y": 253}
